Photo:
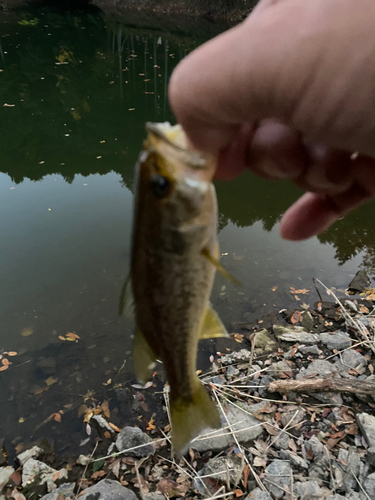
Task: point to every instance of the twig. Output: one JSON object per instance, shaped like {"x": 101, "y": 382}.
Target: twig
{"x": 324, "y": 384}
{"x": 85, "y": 469}
{"x": 137, "y": 464}
{"x": 317, "y": 290}
{"x": 359, "y": 484}
{"x": 252, "y": 341}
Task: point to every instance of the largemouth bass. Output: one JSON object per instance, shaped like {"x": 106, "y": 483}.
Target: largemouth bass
{"x": 173, "y": 263}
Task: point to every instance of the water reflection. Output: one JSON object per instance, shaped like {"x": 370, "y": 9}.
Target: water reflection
{"x": 76, "y": 91}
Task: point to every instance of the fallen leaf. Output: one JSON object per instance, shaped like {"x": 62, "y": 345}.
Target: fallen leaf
{"x": 107, "y": 434}
{"x": 6, "y": 362}
{"x": 3, "y": 368}
{"x": 238, "y": 492}
{"x": 26, "y": 332}
{"x": 97, "y": 474}
{"x": 296, "y": 317}
{"x": 170, "y": 488}
{"x": 259, "y": 462}
{"x": 71, "y": 335}
{"x": 51, "y": 380}
{"x": 12, "y": 353}
{"x": 17, "y": 495}
{"x": 114, "y": 427}
{"x": 61, "y": 337}
{"x": 274, "y": 288}
{"x": 151, "y": 425}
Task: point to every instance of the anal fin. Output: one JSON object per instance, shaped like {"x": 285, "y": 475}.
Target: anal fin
{"x": 144, "y": 357}
{"x": 212, "y": 326}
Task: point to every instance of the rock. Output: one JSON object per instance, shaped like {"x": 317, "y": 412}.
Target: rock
{"x": 222, "y": 439}
{"x": 265, "y": 341}
{"x": 278, "y": 473}
{"x": 369, "y": 485}
{"x": 154, "y": 495}
{"x": 231, "y": 372}
{"x": 307, "y": 321}
{"x": 366, "y": 423}
{"x": 282, "y": 442}
{"x": 371, "y": 455}
{"x": 319, "y": 469}
{"x": 63, "y": 492}
{"x": 283, "y": 366}
{"x": 319, "y": 367}
{"x": 131, "y": 437}
{"x": 353, "y": 467}
{"x": 258, "y": 494}
{"x": 315, "y": 446}
{"x": 337, "y": 497}
{"x": 350, "y": 359}
{"x": 235, "y": 357}
{"x": 265, "y": 380}
{"x": 33, "y": 452}
{"x": 309, "y": 349}
{"x": 295, "y": 334}
{"x": 5, "y": 473}
{"x": 359, "y": 282}
{"x": 310, "y": 490}
{"x": 294, "y": 459}
{"x": 293, "y": 416}
{"x": 36, "y": 470}
{"x": 107, "y": 489}
{"x": 46, "y": 365}
{"x": 219, "y": 468}
{"x": 338, "y": 340}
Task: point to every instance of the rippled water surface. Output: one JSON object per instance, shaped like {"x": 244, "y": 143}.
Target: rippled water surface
{"x": 75, "y": 91}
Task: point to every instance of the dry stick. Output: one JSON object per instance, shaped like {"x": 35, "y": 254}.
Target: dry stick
{"x": 359, "y": 484}
{"x": 85, "y": 469}
{"x": 257, "y": 478}
{"x": 355, "y": 325}
{"x": 137, "y": 464}
{"x": 324, "y": 384}
{"x": 252, "y": 340}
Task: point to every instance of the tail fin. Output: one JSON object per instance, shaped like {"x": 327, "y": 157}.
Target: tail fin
{"x": 191, "y": 417}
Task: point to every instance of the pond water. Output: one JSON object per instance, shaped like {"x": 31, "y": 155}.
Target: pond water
{"x": 75, "y": 91}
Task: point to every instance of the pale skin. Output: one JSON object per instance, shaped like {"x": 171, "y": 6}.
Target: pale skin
{"x": 289, "y": 94}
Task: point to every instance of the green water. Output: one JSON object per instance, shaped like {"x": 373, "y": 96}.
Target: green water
{"x": 75, "y": 92}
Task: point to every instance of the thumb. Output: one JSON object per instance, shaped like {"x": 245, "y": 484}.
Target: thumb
{"x": 235, "y": 78}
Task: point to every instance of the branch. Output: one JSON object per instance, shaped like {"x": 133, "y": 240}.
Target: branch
{"x": 323, "y": 384}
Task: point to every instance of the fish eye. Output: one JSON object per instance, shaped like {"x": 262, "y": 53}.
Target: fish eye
{"x": 160, "y": 186}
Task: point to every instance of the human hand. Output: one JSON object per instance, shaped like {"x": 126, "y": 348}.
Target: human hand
{"x": 289, "y": 94}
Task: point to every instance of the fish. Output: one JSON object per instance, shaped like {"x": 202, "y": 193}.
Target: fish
{"x": 174, "y": 257}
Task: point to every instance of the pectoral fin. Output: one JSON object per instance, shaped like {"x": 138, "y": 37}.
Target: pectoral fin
{"x": 206, "y": 253}
{"x": 126, "y": 301}
{"x": 143, "y": 356}
{"x": 212, "y": 326}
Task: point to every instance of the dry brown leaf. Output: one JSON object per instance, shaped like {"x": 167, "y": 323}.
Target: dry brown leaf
{"x": 61, "y": 337}
{"x": 170, "y": 488}
{"x": 3, "y": 368}
{"x": 12, "y": 353}
{"x": 150, "y": 425}
{"x": 296, "y": 317}
{"x": 114, "y": 427}
{"x": 51, "y": 380}
{"x": 259, "y": 462}
{"x": 72, "y": 335}
{"x": 6, "y": 362}
{"x": 97, "y": 474}
{"x": 107, "y": 434}
{"x": 238, "y": 492}
{"x": 115, "y": 467}
{"x": 17, "y": 495}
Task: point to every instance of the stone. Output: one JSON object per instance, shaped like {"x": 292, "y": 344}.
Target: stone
{"x": 263, "y": 381}
{"x": 107, "y": 489}
{"x": 33, "y": 452}
{"x": 371, "y": 455}
{"x": 130, "y": 437}
{"x": 154, "y": 495}
{"x": 46, "y": 365}
{"x": 309, "y": 490}
{"x": 315, "y": 446}
{"x": 283, "y": 366}
{"x": 359, "y": 282}
{"x": 220, "y": 439}
{"x": 350, "y": 359}
{"x": 353, "y": 467}
{"x": 319, "y": 469}
{"x": 63, "y": 492}
{"x": 235, "y": 357}
{"x": 231, "y": 372}
{"x": 337, "y": 497}
{"x": 5, "y": 473}
{"x": 307, "y": 321}
{"x": 265, "y": 341}
{"x": 258, "y": 494}
{"x": 293, "y": 416}
{"x": 309, "y": 349}
{"x": 36, "y": 470}
{"x": 294, "y": 459}
{"x": 319, "y": 367}
{"x": 338, "y": 340}
{"x": 278, "y": 476}
{"x": 366, "y": 423}
{"x": 295, "y": 334}
{"x": 282, "y": 442}
{"x": 83, "y": 460}
{"x": 369, "y": 485}
{"x": 220, "y": 467}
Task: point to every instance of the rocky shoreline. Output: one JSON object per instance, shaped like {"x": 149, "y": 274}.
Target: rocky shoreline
{"x": 297, "y": 402}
